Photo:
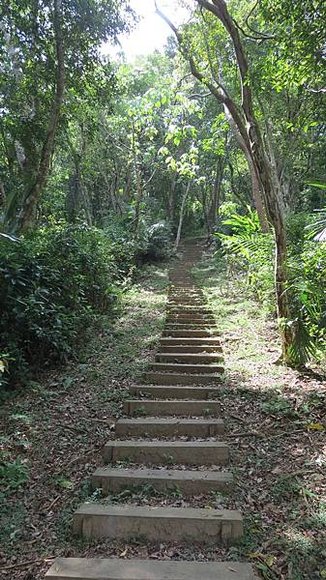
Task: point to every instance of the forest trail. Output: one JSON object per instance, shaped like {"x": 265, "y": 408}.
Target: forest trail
{"x": 172, "y": 438}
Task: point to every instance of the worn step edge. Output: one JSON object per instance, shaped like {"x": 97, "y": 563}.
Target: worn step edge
{"x": 116, "y": 569}
{"x": 94, "y": 520}
{"x": 188, "y": 482}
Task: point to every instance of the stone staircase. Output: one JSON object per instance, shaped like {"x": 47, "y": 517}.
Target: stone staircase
{"x": 173, "y": 425}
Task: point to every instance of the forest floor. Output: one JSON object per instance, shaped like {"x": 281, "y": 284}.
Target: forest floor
{"x": 53, "y": 434}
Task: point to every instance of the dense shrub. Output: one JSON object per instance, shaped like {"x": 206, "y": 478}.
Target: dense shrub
{"x": 55, "y": 281}
{"x": 52, "y": 284}
{"x": 248, "y": 250}
{"x": 155, "y": 243}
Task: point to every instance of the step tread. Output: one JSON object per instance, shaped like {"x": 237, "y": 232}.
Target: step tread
{"x": 196, "y": 368}
{"x": 161, "y": 392}
{"x": 154, "y": 512}
{"x": 169, "y": 421}
{"x": 116, "y": 569}
{"x": 190, "y": 355}
{"x": 209, "y": 340}
{"x": 160, "y": 378}
{"x": 167, "y": 474}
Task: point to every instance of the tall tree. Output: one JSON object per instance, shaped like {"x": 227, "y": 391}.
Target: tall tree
{"x": 49, "y": 48}
{"x": 243, "y": 117}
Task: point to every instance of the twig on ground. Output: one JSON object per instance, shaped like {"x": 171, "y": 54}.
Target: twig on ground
{"x": 53, "y": 503}
{"x": 256, "y": 434}
{"x": 26, "y": 563}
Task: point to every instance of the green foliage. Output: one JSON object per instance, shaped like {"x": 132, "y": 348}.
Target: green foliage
{"x": 13, "y": 474}
{"x": 250, "y": 250}
{"x": 308, "y": 300}
{"x": 53, "y": 283}
{"x": 247, "y": 249}
{"x": 156, "y": 243}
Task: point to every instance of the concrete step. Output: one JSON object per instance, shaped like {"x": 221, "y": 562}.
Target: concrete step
{"x": 168, "y": 427}
{"x": 191, "y": 316}
{"x": 165, "y": 392}
{"x": 166, "y": 378}
{"x": 191, "y": 341}
{"x": 187, "y": 357}
{"x": 181, "y": 408}
{"x": 186, "y": 326}
{"x": 190, "y": 322}
{"x": 157, "y": 524}
{"x": 191, "y": 349}
{"x": 191, "y": 333}
{"x": 189, "y": 290}
{"x": 189, "y": 483}
{"x": 167, "y": 452}
{"x": 186, "y": 300}
{"x": 186, "y": 368}
{"x": 181, "y": 316}
{"x": 116, "y": 569}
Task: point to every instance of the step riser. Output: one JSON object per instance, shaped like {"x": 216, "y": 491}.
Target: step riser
{"x": 182, "y": 379}
{"x": 194, "y": 314}
{"x": 194, "y": 429}
{"x": 188, "y": 333}
{"x": 149, "y": 392}
{"x": 191, "y": 341}
{"x": 180, "y": 303}
{"x": 186, "y": 325}
{"x": 187, "y": 368}
{"x": 179, "y": 408}
{"x": 186, "y": 316}
{"x": 96, "y": 521}
{"x": 196, "y": 323}
{"x": 178, "y": 357}
{"x": 164, "y": 482}
{"x": 167, "y": 454}
{"x": 181, "y": 348}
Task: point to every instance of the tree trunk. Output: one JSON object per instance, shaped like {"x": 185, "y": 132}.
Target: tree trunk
{"x": 244, "y": 119}
{"x": 181, "y": 216}
{"x": 27, "y": 212}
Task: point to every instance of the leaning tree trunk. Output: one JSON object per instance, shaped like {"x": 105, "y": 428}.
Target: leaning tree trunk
{"x": 30, "y": 202}
{"x": 244, "y": 119}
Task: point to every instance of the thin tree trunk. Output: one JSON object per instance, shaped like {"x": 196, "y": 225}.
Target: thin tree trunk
{"x": 181, "y": 216}
{"x": 30, "y": 202}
